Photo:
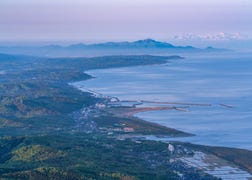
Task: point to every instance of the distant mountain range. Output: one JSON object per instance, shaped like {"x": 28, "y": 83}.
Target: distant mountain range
{"x": 146, "y": 46}
{"x": 146, "y": 43}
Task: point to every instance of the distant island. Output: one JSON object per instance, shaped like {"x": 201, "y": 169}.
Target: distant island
{"x": 146, "y": 46}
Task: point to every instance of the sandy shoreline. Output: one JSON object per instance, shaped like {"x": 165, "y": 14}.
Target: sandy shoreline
{"x": 127, "y": 112}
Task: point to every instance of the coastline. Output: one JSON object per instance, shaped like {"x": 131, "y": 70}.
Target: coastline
{"x": 174, "y": 83}
{"x": 71, "y": 127}
{"x": 223, "y": 153}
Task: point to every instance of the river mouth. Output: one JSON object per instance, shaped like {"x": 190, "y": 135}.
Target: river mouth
{"x": 222, "y": 81}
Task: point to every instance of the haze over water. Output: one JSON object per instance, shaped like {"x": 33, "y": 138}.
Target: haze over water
{"x": 218, "y": 79}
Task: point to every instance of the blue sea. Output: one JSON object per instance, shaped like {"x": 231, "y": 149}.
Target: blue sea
{"x": 199, "y": 78}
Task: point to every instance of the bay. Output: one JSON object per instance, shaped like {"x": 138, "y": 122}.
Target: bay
{"x": 212, "y": 79}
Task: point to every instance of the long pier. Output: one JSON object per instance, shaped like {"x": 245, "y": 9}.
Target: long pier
{"x": 139, "y": 102}
{"x": 178, "y": 103}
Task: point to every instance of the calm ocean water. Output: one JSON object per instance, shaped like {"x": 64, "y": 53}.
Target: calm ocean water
{"x": 217, "y": 79}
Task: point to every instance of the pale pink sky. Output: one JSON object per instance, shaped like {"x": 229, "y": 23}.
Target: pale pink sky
{"x": 101, "y": 20}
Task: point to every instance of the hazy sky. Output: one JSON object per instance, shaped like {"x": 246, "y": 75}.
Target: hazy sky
{"x": 101, "y": 20}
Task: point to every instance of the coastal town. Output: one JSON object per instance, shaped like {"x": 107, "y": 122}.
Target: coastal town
{"x": 179, "y": 153}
